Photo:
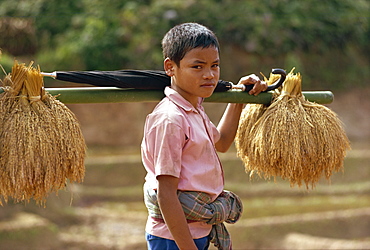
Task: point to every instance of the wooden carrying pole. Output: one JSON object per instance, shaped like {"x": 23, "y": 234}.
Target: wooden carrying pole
{"x": 119, "y": 95}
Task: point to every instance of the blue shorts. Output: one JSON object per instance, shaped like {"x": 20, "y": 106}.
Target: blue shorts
{"x": 158, "y": 243}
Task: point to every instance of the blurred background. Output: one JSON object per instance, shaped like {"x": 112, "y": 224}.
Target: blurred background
{"x": 327, "y": 42}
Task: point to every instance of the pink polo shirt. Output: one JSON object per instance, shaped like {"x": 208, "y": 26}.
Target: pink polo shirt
{"x": 179, "y": 141}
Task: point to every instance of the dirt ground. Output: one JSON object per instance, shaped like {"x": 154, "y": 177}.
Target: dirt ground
{"x": 96, "y": 217}
{"x": 354, "y": 110}
{"x": 121, "y": 124}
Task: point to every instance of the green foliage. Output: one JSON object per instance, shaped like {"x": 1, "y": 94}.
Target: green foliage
{"x": 6, "y": 62}
{"x": 114, "y": 34}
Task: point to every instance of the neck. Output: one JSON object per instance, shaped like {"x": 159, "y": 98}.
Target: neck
{"x": 190, "y": 98}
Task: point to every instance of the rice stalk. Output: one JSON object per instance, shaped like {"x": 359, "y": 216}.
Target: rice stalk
{"x": 293, "y": 138}
{"x": 72, "y": 142}
{"x": 37, "y": 152}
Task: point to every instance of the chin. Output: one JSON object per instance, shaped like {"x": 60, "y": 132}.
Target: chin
{"x": 205, "y": 95}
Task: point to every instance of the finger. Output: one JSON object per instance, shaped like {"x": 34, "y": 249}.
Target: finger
{"x": 249, "y": 79}
{"x": 258, "y": 87}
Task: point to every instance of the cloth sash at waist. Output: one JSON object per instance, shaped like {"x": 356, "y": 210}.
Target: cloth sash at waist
{"x": 198, "y": 206}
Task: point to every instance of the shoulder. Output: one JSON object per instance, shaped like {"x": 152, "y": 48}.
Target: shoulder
{"x": 168, "y": 111}
{"x": 165, "y": 114}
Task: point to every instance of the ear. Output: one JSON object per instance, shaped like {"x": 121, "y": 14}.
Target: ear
{"x": 168, "y": 66}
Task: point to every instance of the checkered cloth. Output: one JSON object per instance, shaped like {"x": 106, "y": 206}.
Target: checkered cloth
{"x": 197, "y": 206}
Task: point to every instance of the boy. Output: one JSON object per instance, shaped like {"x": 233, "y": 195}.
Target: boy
{"x": 180, "y": 142}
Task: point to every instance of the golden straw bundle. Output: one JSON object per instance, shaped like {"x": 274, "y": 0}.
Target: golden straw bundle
{"x": 250, "y": 115}
{"x": 293, "y": 138}
{"x": 41, "y": 144}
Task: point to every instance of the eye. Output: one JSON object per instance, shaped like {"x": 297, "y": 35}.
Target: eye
{"x": 216, "y": 65}
{"x": 196, "y": 66}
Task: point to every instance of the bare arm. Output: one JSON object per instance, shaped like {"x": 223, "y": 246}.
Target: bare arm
{"x": 230, "y": 120}
{"x": 172, "y": 212}
{"x": 228, "y": 126}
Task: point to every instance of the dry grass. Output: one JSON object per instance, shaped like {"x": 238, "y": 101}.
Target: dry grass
{"x": 41, "y": 144}
{"x": 293, "y": 138}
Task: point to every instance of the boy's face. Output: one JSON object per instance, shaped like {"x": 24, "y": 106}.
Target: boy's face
{"x": 197, "y": 75}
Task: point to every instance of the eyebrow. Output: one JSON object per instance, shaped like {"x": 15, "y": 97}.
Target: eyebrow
{"x": 203, "y": 62}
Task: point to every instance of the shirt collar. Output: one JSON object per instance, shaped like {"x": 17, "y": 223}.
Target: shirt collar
{"x": 180, "y": 101}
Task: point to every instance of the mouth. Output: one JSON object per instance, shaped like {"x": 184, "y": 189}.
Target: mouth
{"x": 208, "y": 85}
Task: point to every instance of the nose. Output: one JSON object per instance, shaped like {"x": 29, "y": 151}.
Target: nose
{"x": 208, "y": 74}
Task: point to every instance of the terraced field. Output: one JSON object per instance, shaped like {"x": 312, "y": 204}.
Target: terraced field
{"x": 107, "y": 212}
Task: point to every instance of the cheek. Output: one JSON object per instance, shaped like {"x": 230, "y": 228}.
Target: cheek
{"x": 217, "y": 73}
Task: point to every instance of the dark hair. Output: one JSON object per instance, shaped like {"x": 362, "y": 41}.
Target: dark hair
{"x": 184, "y": 37}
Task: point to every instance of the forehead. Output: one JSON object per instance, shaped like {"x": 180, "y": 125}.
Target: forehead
{"x": 208, "y": 54}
